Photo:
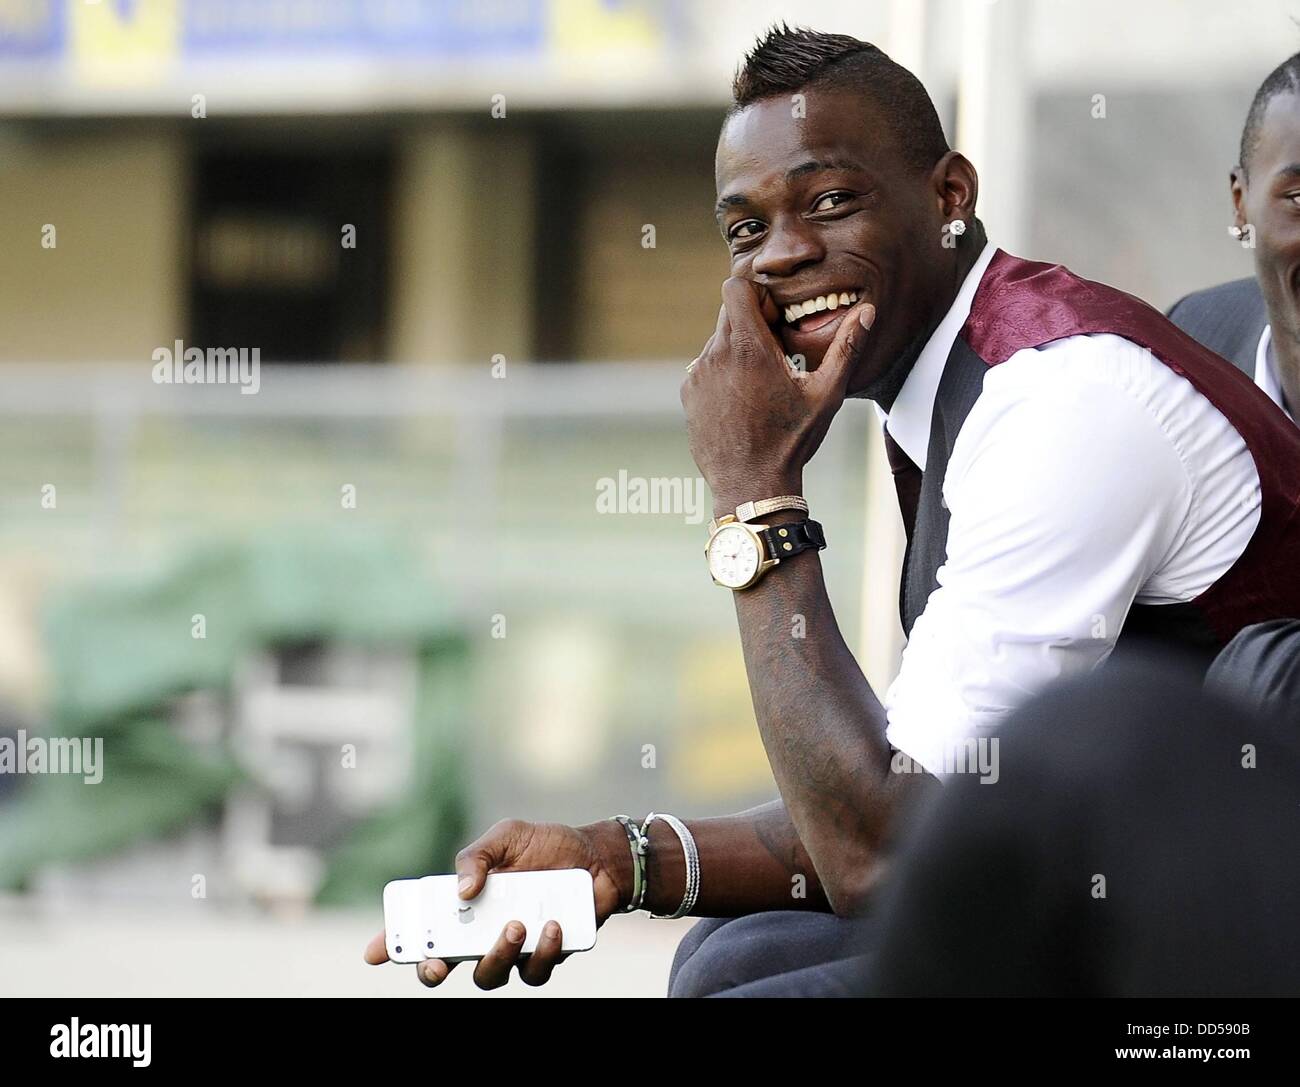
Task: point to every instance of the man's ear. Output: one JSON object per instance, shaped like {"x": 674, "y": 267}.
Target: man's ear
{"x": 956, "y": 186}
{"x": 1238, "y": 185}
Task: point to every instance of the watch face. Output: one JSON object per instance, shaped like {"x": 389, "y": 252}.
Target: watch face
{"x": 733, "y": 556}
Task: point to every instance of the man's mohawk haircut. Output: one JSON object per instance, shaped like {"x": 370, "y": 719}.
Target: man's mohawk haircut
{"x": 787, "y": 60}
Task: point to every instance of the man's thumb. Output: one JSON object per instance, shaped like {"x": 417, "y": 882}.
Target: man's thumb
{"x": 849, "y": 343}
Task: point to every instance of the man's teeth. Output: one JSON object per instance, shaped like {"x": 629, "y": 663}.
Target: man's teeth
{"x": 821, "y": 302}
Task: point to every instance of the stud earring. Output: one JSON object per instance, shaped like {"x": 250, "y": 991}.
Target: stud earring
{"x": 1235, "y": 231}
{"x": 957, "y": 227}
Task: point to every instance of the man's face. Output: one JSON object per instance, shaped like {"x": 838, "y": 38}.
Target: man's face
{"x": 824, "y": 204}
{"x": 1269, "y": 200}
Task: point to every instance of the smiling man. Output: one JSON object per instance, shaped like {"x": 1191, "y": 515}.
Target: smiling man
{"x": 1256, "y": 322}
{"x": 1069, "y": 466}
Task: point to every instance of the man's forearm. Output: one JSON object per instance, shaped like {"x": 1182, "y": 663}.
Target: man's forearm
{"x": 822, "y": 726}
{"x": 822, "y": 845}
{"x": 749, "y": 862}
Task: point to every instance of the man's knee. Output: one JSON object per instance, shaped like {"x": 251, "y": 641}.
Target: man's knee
{"x": 690, "y": 971}
{"x": 733, "y": 952}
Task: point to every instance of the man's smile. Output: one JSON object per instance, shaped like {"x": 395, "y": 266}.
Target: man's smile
{"x": 807, "y": 327}
{"x": 814, "y": 312}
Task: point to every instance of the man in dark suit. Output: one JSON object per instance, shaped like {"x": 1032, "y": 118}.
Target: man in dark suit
{"x": 1229, "y": 319}
{"x": 1260, "y": 668}
{"x": 1255, "y": 323}
{"x": 1141, "y": 843}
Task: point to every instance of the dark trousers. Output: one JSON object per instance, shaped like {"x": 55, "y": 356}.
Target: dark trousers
{"x": 782, "y": 953}
{"x": 1142, "y": 839}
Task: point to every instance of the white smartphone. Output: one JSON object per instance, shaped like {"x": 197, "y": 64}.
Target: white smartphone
{"x": 426, "y": 919}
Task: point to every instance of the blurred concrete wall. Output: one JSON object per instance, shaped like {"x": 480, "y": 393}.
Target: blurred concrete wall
{"x": 112, "y": 287}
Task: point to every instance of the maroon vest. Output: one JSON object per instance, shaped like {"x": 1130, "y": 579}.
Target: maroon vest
{"x": 1024, "y": 304}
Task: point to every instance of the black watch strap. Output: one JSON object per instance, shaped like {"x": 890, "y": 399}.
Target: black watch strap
{"x": 784, "y": 541}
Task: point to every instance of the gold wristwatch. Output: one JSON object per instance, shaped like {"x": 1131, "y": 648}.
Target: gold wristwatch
{"x": 739, "y": 554}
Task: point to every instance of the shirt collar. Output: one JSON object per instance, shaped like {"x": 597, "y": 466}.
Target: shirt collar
{"x": 909, "y": 418}
{"x": 1266, "y": 368}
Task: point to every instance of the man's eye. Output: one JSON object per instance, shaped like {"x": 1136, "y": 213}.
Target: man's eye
{"x": 748, "y": 229}
{"x": 832, "y": 200}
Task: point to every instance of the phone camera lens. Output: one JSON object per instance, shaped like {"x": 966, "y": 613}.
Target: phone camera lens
{"x": 399, "y": 949}
{"x": 429, "y": 945}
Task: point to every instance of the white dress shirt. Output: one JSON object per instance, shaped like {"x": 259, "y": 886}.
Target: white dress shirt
{"x": 1266, "y": 370}
{"x": 1087, "y": 476}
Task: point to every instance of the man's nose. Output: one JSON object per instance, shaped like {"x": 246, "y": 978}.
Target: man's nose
{"x": 790, "y": 245}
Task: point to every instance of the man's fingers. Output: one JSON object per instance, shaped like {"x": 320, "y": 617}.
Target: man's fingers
{"x": 704, "y": 353}
{"x": 377, "y": 949}
{"x": 744, "y": 309}
{"x": 472, "y": 870}
{"x": 493, "y": 969}
{"x": 847, "y": 347}
{"x": 719, "y": 334}
{"x": 495, "y": 849}
{"x": 720, "y": 329}
{"x": 433, "y": 972}
{"x": 536, "y": 969}
{"x": 753, "y": 300}
{"x": 740, "y": 303}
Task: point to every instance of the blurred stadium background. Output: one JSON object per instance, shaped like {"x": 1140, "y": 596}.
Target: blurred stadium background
{"x": 498, "y": 341}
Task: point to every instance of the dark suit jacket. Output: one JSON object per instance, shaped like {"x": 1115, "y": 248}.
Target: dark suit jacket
{"x": 1228, "y": 319}
{"x": 1260, "y": 667}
